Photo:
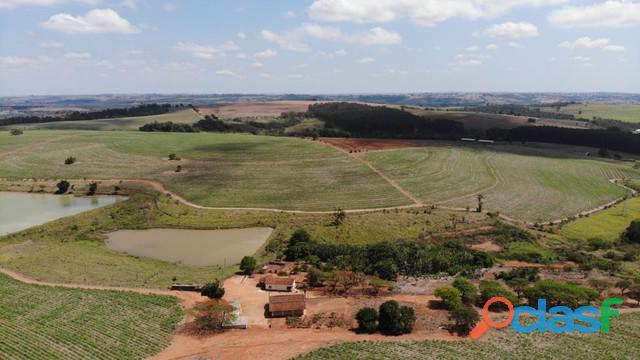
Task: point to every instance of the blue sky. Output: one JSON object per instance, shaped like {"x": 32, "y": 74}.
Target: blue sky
{"x": 318, "y": 46}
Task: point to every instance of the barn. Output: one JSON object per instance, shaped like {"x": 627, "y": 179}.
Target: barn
{"x": 286, "y": 305}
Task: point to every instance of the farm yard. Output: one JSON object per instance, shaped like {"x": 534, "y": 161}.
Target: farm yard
{"x": 42, "y": 322}
{"x": 621, "y": 343}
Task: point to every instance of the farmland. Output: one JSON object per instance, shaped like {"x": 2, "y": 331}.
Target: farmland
{"x": 128, "y": 123}
{"x": 606, "y": 225}
{"x": 59, "y": 323}
{"x": 534, "y": 183}
{"x": 623, "y": 112}
{"x": 220, "y": 170}
{"x": 621, "y": 343}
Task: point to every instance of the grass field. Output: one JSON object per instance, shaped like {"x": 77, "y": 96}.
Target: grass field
{"x": 621, "y": 343}
{"x": 129, "y": 123}
{"x": 622, "y": 112}
{"x": 220, "y": 170}
{"x": 72, "y": 250}
{"x": 606, "y": 225}
{"x": 39, "y": 322}
{"x": 533, "y": 183}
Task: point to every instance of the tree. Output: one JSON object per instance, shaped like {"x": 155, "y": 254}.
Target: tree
{"x": 386, "y": 269}
{"x": 63, "y": 186}
{"x": 313, "y": 277}
{"x": 173, "y": 156}
{"x": 632, "y": 233}
{"x": 211, "y": 316}
{"x": 407, "y": 319}
{"x": 480, "y": 202}
{"x": 15, "y": 132}
{"x": 634, "y": 292}
{"x": 213, "y": 290}
{"x": 623, "y": 284}
{"x": 389, "y": 318}
{"x": 339, "y": 217}
{"x": 465, "y": 317}
{"x": 178, "y": 168}
{"x": 367, "y": 320}
{"x": 93, "y": 187}
{"x": 490, "y": 289}
{"x": 467, "y": 289}
{"x": 70, "y": 160}
{"x": 248, "y": 265}
{"x": 451, "y": 297}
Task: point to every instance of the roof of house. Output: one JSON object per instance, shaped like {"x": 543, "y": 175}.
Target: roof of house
{"x": 275, "y": 280}
{"x": 281, "y": 303}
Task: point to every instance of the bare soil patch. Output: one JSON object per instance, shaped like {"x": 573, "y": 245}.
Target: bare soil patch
{"x": 355, "y": 145}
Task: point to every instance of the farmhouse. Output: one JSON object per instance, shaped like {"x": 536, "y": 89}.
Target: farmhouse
{"x": 286, "y": 305}
{"x": 276, "y": 283}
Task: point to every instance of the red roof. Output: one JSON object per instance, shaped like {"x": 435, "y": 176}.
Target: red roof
{"x": 275, "y": 280}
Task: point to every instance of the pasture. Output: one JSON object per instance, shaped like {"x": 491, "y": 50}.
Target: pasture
{"x": 623, "y": 112}
{"x": 41, "y": 322}
{"x": 533, "y": 183}
{"x": 620, "y": 343}
{"x": 218, "y": 170}
{"x": 606, "y": 225}
{"x": 128, "y": 123}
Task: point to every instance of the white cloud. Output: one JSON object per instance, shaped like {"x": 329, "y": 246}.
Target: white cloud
{"x": 606, "y": 14}
{"x": 515, "y": 45}
{"x": 241, "y": 35}
{"x": 290, "y": 14}
{"x": 265, "y": 75}
{"x": 94, "y": 22}
{"x": 266, "y": 53}
{"x": 77, "y": 56}
{"x": 179, "y": 67}
{"x": 366, "y": 60}
{"x": 302, "y": 66}
{"x": 227, "y": 72}
{"x": 341, "y": 52}
{"x": 257, "y": 64}
{"x": 588, "y": 43}
{"x": 288, "y": 41}
{"x": 17, "y": 61}
{"x": 51, "y": 45}
{"x": 206, "y": 51}
{"x": 295, "y": 76}
{"x": 421, "y": 12}
{"x": 169, "y": 7}
{"x": 512, "y": 29}
{"x": 12, "y": 4}
{"x": 491, "y": 47}
{"x": 582, "y": 59}
{"x": 473, "y": 48}
{"x": 376, "y": 36}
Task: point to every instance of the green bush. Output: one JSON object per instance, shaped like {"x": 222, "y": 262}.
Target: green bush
{"x": 467, "y": 289}
{"x": 504, "y": 234}
{"x": 451, "y": 297}
{"x": 394, "y": 319}
{"x": 465, "y": 317}
{"x": 490, "y": 289}
{"x": 15, "y": 132}
{"x": 560, "y": 293}
{"x": 70, "y": 160}
{"x": 632, "y": 233}
{"x": 248, "y": 265}
{"x": 213, "y": 290}
{"x": 367, "y": 320}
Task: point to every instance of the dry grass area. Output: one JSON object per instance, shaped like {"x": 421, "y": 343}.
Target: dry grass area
{"x": 356, "y": 145}
{"x": 255, "y": 109}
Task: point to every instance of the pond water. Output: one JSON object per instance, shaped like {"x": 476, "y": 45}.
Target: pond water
{"x": 190, "y": 247}
{"x": 19, "y": 211}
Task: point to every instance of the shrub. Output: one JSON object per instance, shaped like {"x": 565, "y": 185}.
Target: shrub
{"x": 560, "y": 293}
{"x": 367, "y": 320}
{"x": 451, "y": 297}
{"x": 468, "y": 291}
{"x": 248, "y": 265}
{"x": 63, "y": 186}
{"x": 173, "y": 156}
{"x": 530, "y": 274}
{"x": 93, "y": 187}
{"x": 313, "y": 277}
{"x": 211, "y": 316}
{"x": 632, "y": 233}
{"x": 15, "y": 132}
{"x": 386, "y": 269}
{"x": 465, "y": 317}
{"x": 505, "y": 234}
{"x": 407, "y": 319}
{"x": 213, "y": 290}
{"x": 70, "y": 160}
{"x": 490, "y": 289}
{"x": 394, "y": 319}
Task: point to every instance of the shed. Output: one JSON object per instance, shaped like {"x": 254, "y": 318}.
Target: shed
{"x": 286, "y": 305}
{"x": 277, "y": 283}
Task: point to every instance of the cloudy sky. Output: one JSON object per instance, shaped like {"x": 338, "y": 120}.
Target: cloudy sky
{"x": 317, "y": 46}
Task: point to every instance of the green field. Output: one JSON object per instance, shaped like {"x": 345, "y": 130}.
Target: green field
{"x": 40, "y": 322}
{"x": 219, "y": 170}
{"x": 621, "y": 343}
{"x": 622, "y": 112}
{"x": 71, "y": 250}
{"x": 128, "y": 123}
{"x": 606, "y": 225}
{"x": 534, "y": 183}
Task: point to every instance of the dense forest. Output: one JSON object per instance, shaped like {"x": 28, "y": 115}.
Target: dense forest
{"x": 605, "y": 139}
{"x": 360, "y": 120}
{"x": 521, "y": 110}
{"x": 141, "y": 110}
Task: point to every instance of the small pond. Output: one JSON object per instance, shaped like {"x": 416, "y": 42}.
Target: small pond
{"x": 190, "y": 247}
{"x": 19, "y": 211}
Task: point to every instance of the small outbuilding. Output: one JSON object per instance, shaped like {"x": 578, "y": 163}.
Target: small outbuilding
{"x": 286, "y": 305}
{"x": 277, "y": 283}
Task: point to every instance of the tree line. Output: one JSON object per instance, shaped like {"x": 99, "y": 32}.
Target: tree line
{"x": 141, "y": 110}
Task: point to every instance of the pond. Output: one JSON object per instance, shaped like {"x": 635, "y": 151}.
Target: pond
{"x": 190, "y": 247}
{"x": 19, "y": 211}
